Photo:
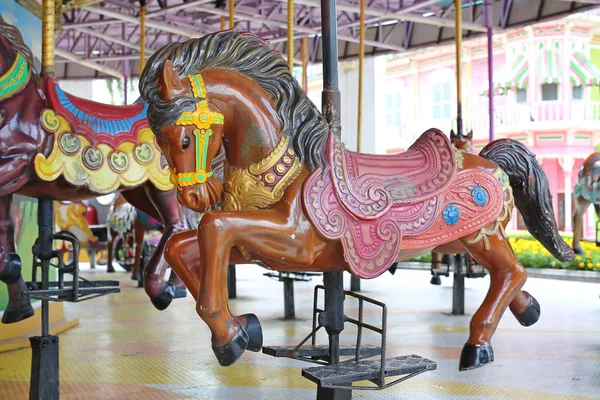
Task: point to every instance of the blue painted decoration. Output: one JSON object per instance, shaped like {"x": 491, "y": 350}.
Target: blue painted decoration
{"x": 480, "y": 196}
{"x": 451, "y": 214}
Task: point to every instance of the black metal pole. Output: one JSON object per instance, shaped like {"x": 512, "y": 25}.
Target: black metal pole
{"x": 333, "y": 281}
{"x": 44, "y": 358}
{"x": 458, "y": 288}
{"x": 354, "y": 284}
{"x": 231, "y": 282}
{"x": 289, "y": 307}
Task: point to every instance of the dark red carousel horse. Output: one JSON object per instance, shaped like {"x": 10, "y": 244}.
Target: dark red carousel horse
{"x": 294, "y": 199}
{"x": 586, "y": 191}
{"x": 62, "y": 147}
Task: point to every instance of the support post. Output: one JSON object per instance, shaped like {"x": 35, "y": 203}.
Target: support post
{"x": 487, "y": 12}
{"x": 142, "y": 35}
{"x": 290, "y": 35}
{"x": 231, "y": 14}
{"x": 231, "y": 282}
{"x": 458, "y": 288}
{"x": 333, "y": 281}
{"x": 289, "y": 308}
{"x": 458, "y": 39}
{"x": 44, "y": 358}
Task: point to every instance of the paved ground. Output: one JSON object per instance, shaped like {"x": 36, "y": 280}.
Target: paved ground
{"x": 124, "y": 349}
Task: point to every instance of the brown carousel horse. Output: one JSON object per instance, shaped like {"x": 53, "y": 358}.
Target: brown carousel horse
{"x": 294, "y": 199}
{"x": 58, "y": 146}
{"x": 586, "y": 191}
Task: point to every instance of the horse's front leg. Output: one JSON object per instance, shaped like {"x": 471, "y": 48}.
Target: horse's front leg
{"x": 270, "y": 234}
{"x": 18, "y": 308}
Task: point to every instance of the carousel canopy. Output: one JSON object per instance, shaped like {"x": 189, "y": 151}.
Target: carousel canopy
{"x": 101, "y": 38}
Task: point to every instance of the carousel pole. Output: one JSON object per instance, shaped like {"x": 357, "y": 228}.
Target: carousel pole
{"x": 222, "y": 23}
{"x": 487, "y": 13}
{"x": 231, "y": 14}
{"x": 305, "y": 64}
{"x": 44, "y": 382}
{"x": 458, "y": 288}
{"x": 354, "y": 281}
{"x": 333, "y": 317}
{"x": 290, "y": 35}
{"x": 142, "y": 34}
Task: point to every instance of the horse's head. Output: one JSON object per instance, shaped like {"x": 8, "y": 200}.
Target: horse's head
{"x": 462, "y": 142}
{"x": 191, "y": 143}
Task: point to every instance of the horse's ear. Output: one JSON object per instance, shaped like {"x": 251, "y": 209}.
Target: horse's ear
{"x": 452, "y": 134}
{"x": 470, "y": 135}
{"x": 170, "y": 84}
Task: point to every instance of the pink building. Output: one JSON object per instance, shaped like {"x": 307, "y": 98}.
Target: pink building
{"x": 546, "y": 95}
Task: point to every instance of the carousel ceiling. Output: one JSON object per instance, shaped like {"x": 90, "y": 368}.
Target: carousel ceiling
{"x": 101, "y": 38}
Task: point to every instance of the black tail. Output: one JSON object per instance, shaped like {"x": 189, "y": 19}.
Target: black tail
{"x": 532, "y": 193}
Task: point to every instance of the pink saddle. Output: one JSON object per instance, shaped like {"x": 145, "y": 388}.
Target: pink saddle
{"x": 379, "y": 205}
{"x": 368, "y": 185}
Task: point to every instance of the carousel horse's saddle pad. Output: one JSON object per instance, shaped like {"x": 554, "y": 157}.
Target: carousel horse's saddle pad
{"x": 448, "y": 204}
{"x": 368, "y": 185}
{"x": 99, "y": 146}
{"x": 96, "y": 118}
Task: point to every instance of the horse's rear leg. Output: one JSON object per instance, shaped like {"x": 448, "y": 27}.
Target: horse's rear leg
{"x": 507, "y": 277}
{"x": 139, "y": 233}
{"x": 162, "y": 206}
{"x": 18, "y": 308}
{"x": 581, "y": 205}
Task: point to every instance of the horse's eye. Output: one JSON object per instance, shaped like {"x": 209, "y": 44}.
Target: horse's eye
{"x": 185, "y": 143}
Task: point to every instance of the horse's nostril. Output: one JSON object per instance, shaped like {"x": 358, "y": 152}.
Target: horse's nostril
{"x": 193, "y": 199}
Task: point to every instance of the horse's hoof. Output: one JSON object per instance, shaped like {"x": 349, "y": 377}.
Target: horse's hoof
{"x": 435, "y": 280}
{"x": 254, "y": 331}
{"x": 140, "y": 283}
{"x": 164, "y": 298}
{"x": 578, "y": 250}
{"x": 230, "y": 352}
{"x": 475, "y": 356}
{"x": 180, "y": 292}
{"x": 12, "y": 271}
{"x": 531, "y": 315}
{"x": 11, "y": 316}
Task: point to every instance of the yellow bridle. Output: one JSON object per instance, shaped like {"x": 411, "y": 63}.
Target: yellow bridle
{"x": 202, "y": 118}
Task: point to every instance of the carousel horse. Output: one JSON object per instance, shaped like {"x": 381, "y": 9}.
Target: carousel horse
{"x": 58, "y": 146}
{"x": 70, "y": 216}
{"x": 130, "y": 226}
{"x": 294, "y": 199}
{"x": 586, "y": 191}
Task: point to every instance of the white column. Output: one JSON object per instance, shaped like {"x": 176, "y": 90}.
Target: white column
{"x": 566, "y": 164}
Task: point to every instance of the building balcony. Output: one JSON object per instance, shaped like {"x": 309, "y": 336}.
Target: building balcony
{"x": 545, "y": 115}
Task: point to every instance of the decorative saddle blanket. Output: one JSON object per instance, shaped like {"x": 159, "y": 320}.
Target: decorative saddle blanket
{"x": 372, "y": 203}
{"x": 98, "y": 145}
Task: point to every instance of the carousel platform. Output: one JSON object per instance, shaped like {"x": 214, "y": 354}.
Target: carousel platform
{"x": 125, "y": 349}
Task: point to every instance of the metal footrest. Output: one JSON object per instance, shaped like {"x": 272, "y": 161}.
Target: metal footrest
{"x": 342, "y": 375}
{"x": 292, "y": 276}
{"x": 319, "y": 351}
{"x": 64, "y": 291}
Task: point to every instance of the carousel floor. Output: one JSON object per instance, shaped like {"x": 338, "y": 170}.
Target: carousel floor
{"x": 125, "y": 349}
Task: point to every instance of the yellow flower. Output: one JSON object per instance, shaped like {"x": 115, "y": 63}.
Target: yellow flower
{"x": 581, "y": 264}
{"x": 590, "y": 265}
{"x": 578, "y": 258}
{"x": 598, "y": 264}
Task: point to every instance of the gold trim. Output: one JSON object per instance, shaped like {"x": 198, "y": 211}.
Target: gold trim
{"x": 244, "y": 189}
{"x": 202, "y": 117}
{"x": 269, "y": 161}
{"x": 459, "y": 155}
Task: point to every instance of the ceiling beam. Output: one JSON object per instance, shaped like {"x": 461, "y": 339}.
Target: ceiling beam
{"x": 149, "y": 23}
{"x": 177, "y": 8}
{"x": 307, "y": 31}
{"x": 90, "y": 64}
{"x": 114, "y": 39}
{"x": 440, "y": 22}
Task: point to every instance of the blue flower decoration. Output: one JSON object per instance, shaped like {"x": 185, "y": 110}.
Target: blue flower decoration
{"x": 451, "y": 214}
{"x": 480, "y": 196}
